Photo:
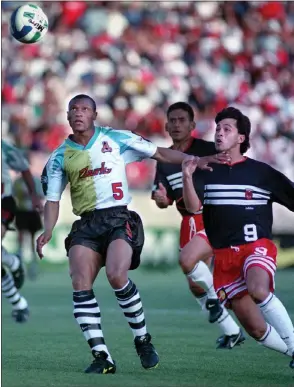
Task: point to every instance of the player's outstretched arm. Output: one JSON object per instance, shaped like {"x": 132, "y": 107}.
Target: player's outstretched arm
{"x": 172, "y": 156}
{"x": 190, "y": 196}
{"x": 51, "y": 213}
{"x": 166, "y": 155}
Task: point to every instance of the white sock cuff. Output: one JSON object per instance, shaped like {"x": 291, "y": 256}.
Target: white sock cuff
{"x": 119, "y": 290}
{"x": 190, "y": 274}
{"x": 267, "y": 332}
{"x": 266, "y": 301}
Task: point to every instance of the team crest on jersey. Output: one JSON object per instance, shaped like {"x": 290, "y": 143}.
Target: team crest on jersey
{"x": 105, "y": 147}
{"x": 248, "y": 194}
{"x": 222, "y": 295}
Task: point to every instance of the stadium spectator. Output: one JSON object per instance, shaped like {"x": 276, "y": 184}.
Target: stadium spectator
{"x": 136, "y": 58}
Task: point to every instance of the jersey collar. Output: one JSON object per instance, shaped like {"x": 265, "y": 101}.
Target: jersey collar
{"x": 238, "y": 162}
{"x": 75, "y": 145}
{"x": 188, "y": 145}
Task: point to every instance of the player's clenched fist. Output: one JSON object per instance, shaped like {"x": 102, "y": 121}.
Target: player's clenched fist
{"x": 160, "y": 196}
{"x": 42, "y": 240}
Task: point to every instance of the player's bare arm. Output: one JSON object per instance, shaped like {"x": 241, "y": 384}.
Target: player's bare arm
{"x": 29, "y": 180}
{"x": 51, "y": 213}
{"x": 166, "y": 155}
{"x": 190, "y": 196}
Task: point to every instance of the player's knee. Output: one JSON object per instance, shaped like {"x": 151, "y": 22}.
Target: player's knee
{"x": 258, "y": 292}
{"x": 187, "y": 261}
{"x": 117, "y": 277}
{"x": 80, "y": 281}
{"x": 257, "y": 332}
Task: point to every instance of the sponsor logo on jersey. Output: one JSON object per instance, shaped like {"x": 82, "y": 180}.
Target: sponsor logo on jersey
{"x": 87, "y": 172}
{"x": 106, "y": 147}
{"x": 248, "y": 194}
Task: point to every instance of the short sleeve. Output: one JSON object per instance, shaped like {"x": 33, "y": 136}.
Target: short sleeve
{"x": 134, "y": 147}
{"x": 54, "y": 179}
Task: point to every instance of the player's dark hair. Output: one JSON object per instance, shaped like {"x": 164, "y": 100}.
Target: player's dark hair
{"x": 83, "y": 96}
{"x": 243, "y": 124}
{"x": 182, "y": 106}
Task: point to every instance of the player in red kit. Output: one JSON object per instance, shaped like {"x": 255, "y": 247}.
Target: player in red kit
{"x": 237, "y": 202}
{"x": 167, "y": 190}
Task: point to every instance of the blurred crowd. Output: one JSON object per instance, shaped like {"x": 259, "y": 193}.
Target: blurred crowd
{"x": 136, "y": 58}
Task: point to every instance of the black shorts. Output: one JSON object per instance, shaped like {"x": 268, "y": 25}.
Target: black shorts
{"x": 8, "y": 210}
{"x": 28, "y": 221}
{"x": 98, "y": 228}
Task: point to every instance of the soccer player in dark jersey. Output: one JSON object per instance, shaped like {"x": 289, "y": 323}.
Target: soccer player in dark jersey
{"x": 93, "y": 161}
{"x": 167, "y": 190}
{"x": 237, "y": 200}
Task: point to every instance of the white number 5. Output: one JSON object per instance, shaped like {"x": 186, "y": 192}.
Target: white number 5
{"x": 250, "y": 232}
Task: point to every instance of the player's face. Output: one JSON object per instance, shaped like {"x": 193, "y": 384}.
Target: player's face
{"x": 179, "y": 125}
{"x": 227, "y": 136}
{"x": 81, "y": 115}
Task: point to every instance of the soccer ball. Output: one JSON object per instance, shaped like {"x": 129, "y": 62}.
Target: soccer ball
{"x": 28, "y": 23}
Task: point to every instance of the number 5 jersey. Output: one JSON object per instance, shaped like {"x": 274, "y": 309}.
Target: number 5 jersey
{"x": 96, "y": 172}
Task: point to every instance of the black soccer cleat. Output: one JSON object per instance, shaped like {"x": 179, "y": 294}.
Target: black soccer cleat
{"x": 229, "y": 342}
{"x": 18, "y": 275}
{"x": 20, "y": 315}
{"x": 147, "y": 353}
{"x": 215, "y": 309}
{"x": 100, "y": 364}
{"x": 292, "y": 361}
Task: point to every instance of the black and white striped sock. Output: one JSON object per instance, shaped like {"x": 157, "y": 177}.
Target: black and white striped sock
{"x": 10, "y": 291}
{"x": 10, "y": 260}
{"x": 129, "y": 300}
{"x": 87, "y": 314}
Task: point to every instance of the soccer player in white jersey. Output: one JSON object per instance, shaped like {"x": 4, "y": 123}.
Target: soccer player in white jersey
{"x": 12, "y": 273}
{"x": 93, "y": 161}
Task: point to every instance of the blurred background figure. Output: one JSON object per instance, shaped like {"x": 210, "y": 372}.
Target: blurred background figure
{"x": 27, "y": 220}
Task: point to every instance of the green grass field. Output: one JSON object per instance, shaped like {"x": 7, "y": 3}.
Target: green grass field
{"x": 50, "y": 350}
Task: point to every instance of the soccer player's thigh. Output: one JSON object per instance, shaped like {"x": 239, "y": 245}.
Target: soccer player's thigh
{"x": 258, "y": 283}
{"x": 259, "y": 269}
{"x": 198, "y": 249}
{"x": 125, "y": 244}
{"x": 249, "y": 315}
{"x": 118, "y": 262}
{"x": 84, "y": 266}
